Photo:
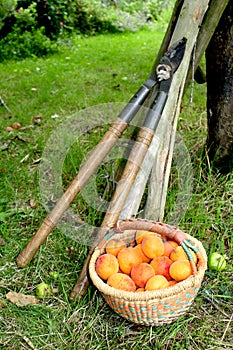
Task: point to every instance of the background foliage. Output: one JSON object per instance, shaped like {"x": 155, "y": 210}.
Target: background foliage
{"x": 37, "y": 28}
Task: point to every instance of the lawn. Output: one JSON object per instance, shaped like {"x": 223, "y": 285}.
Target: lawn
{"x": 49, "y": 95}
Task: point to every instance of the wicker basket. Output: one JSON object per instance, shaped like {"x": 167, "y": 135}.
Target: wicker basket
{"x": 151, "y": 307}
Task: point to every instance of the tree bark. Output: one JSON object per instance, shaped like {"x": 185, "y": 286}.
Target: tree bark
{"x": 219, "y": 72}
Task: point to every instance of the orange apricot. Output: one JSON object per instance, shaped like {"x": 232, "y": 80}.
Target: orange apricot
{"x": 121, "y": 281}
{"x": 173, "y": 243}
{"x": 179, "y": 254}
{"x": 172, "y": 283}
{"x": 106, "y": 265}
{"x": 127, "y": 258}
{"x": 114, "y": 246}
{"x": 156, "y": 282}
{"x": 152, "y": 246}
{"x": 140, "y": 235}
{"x": 168, "y": 248}
{"x": 138, "y": 248}
{"x": 180, "y": 270}
{"x": 161, "y": 265}
{"x": 141, "y": 273}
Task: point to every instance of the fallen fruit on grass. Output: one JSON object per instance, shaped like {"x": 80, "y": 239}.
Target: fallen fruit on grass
{"x": 216, "y": 262}
{"x": 121, "y": 281}
{"x": 180, "y": 270}
{"x": 156, "y": 282}
{"x": 106, "y": 265}
{"x": 127, "y": 258}
{"x": 114, "y": 246}
{"x": 141, "y": 273}
{"x": 16, "y": 125}
{"x": 54, "y": 275}
{"x": 152, "y": 246}
{"x": 43, "y": 290}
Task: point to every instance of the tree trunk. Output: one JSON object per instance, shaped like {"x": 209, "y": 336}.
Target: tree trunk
{"x": 219, "y": 71}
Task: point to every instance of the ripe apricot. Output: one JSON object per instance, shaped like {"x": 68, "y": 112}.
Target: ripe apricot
{"x": 106, "y": 265}
{"x": 127, "y": 258}
{"x": 179, "y": 254}
{"x": 168, "y": 248}
{"x": 172, "y": 283}
{"x": 180, "y": 270}
{"x": 141, "y": 273}
{"x": 161, "y": 265}
{"x": 121, "y": 281}
{"x": 141, "y": 289}
{"x": 140, "y": 235}
{"x": 173, "y": 243}
{"x": 156, "y": 282}
{"x": 114, "y": 246}
{"x": 152, "y": 246}
{"x": 138, "y": 248}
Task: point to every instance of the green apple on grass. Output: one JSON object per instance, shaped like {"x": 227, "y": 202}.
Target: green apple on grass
{"x": 43, "y": 290}
{"x": 216, "y": 261}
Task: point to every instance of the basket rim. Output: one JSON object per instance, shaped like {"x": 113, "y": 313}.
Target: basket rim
{"x": 191, "y": 282}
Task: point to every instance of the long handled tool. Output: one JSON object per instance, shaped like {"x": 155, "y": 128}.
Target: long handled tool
{"x": 165, "y": 72}
{"x": 168, "y": 65}
{"x": 88, "y": 168}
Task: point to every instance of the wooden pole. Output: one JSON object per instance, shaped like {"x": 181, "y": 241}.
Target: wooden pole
{"x": 186, "y": 21}
{"x": 89, "y": 167}
{"x": 190, "y": 22}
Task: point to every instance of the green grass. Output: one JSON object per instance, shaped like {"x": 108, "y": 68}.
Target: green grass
{"x": 94, "y": 71}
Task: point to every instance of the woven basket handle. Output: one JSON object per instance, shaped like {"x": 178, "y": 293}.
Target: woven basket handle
{"x": 170, "y": 232}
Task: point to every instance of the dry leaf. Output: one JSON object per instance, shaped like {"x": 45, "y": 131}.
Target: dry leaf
{"x": 32, "y": 203}
{"x": 21, "y": 299}
{"x": 5, "y": 145}
{"x": 37, "y": 120}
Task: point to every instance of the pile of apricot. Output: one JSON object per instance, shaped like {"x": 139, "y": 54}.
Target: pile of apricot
{"x": 150, "y": 262}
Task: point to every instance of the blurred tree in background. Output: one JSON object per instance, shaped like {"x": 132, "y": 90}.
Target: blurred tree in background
{"x": 33, "y": 27}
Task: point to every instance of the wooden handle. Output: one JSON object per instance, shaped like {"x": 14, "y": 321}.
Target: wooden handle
{"x": 117, "y": 202}
{"x": 87, "y": 169}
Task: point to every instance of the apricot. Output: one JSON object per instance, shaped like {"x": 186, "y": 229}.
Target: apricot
{"x": 179, "y": 254}
{"x": 138, "y": 248}
{"x": 161, "y": 265}
{"x": 156, "y": 282}
{"x": 141, "y": 273}
{"x": 173, "y": 243}
{"x": 106, "y": 265}
{"x": 141, "y": 289}
{"x": 152, "y": 246}
{"x": 168, "y": 248}
{"x": 127, "y": 258}
{"x": 140, "y": 235}
{"x": 114, "y": 246}
{"x": 121, "y": 281}
{"x": 172, "y": 283}
{"x": 180, "y": 270}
